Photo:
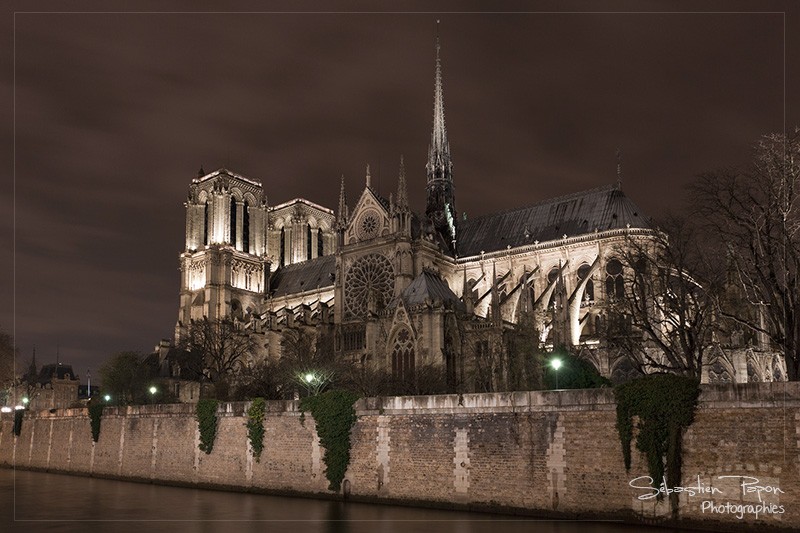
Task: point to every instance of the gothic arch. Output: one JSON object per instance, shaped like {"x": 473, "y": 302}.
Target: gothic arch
{"x": 236, "y": 194}
{"x": 584, "y": 272}
{"x": 720, "y": 369}
{"x": 623, "y": 370}
{"x": 236, "y": 309}
{"x": 402, "y": 353}
{"x": 614, "y": 282}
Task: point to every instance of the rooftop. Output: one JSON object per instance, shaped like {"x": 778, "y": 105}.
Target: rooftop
{"x": 572, "y": 215}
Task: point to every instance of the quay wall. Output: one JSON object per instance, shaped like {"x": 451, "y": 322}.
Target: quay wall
{"x": 549, "y": 454}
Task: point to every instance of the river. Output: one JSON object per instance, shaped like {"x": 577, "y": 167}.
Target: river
{"x": 35, "y": 501}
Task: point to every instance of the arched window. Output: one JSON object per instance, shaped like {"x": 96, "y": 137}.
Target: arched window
{"x": 246, "y": 228}
{"x": 205, "y": 223}
{"x": 403, "y": 356}
{"x": 308, "y": 241}
{"x": 232, "y": 239}
{"x": 527, "y": 295}
{"x": 588, "y": 293}
{"x": 320, "y": 240}
{"x": 615, "y": 287}
{"x": 236, "y": 309}
{"x": 282, "y": 260}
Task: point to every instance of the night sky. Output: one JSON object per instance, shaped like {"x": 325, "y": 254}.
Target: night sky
{"x": 110, "y": 116}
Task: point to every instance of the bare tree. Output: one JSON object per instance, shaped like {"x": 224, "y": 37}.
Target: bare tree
{"x": 665, "y": 320}
{"x": 755, "y": 212}
{"x": 216, "y": 350}
{"x": 262, "y": 379}
{"x": 307, "y": 360}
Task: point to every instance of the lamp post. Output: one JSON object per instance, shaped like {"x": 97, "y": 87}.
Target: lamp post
{"x": 556, "y": 364}
{"x": 153, "y": 391}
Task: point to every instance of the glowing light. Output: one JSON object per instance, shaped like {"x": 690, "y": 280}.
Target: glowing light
{"x": 5, "y": 409}
{"x": 309, "y": 378}
{"x": 153, "y": 390}
{"x": 107, "y": 398}
{"x": 556, "y": 364}
{"x": 25, "y": 401}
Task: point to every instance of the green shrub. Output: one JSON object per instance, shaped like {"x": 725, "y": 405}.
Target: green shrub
{"x": 665, "y": 405}
{"x": 334, "y": 415}
{"x": 207, "y": 423}
{"x": 255, "y": 426}
{"x": 95, "y": 415}
{"x": 18, "y": 416}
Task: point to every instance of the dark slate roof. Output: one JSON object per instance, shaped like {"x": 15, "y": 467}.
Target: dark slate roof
{"x": 60, "y": 371}
{"x": 429, "y": 286}
{"x": 573, "y": 215}
{"x": 308, "y": 275}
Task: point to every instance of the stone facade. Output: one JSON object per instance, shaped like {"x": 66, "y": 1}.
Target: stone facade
{"x": 400, "y": 291}
{"x": 541, "y": 453}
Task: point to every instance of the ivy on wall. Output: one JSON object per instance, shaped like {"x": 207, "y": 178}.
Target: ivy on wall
{"x": 95, "y": 415}
{"x": 255, "y": 426}
{"x": 665, "y": 405}
{"x": 334, "y": 414}
{"x": 18, "y": 415}
{"x": 207, "y": 423}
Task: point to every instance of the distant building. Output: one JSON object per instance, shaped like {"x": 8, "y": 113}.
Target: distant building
{"x": 54, "y": 386}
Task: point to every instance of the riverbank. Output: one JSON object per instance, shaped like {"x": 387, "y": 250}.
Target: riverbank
{"x": 548, "y": 454}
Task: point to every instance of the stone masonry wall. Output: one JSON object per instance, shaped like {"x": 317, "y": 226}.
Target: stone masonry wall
{"x": 554, "y": 453}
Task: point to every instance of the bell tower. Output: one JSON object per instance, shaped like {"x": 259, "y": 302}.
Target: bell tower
{"x": 225, "y": 264}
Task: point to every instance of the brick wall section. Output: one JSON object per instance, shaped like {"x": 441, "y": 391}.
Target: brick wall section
{"x": 104, "y": 456}
{"x": 41, "y": 443}
{"x": 81, "y": 446}
{"x": 175, "y": 448}
{"x": 60, "y": 442}
{"x": 546, "y": 453}
{"x": 287, "y": 460}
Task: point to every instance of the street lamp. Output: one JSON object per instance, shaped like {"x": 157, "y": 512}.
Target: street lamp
{"x": 153, "y": 391}
{"x": 309, "y": 378}
{"x": 556, "y": 364}
{"x": 107, "y": 398}
{"x": 25, "y": 401}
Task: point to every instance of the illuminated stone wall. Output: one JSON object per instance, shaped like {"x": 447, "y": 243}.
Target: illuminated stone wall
{"x": 542, "y": 453}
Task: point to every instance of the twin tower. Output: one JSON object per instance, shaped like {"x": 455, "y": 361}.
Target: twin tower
{"x": 236, "y": 244}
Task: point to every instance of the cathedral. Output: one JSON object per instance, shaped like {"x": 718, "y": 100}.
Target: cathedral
{"x": 401, "y": 290}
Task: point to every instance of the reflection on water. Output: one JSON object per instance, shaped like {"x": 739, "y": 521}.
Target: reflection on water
{"x": 52, "y": 502}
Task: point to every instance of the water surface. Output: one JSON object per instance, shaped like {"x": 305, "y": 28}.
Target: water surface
{"x": 35, "y": 501}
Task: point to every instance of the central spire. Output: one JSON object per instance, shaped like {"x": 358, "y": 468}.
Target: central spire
{"x": 440, "y": 207}
{"x": 439, "y": 166}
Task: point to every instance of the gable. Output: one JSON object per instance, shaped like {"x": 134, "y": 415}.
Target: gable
{"x": 370, "y": 218}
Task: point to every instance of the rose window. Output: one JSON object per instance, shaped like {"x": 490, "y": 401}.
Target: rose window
{"x": 370, "y": 276}
{"x": 368, "y": 226}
